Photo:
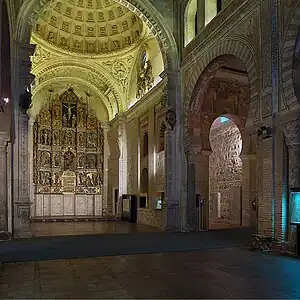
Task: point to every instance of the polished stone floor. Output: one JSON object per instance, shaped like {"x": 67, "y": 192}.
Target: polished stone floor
{"x": 213, "y": 273}
{"x": 40, "y": 229}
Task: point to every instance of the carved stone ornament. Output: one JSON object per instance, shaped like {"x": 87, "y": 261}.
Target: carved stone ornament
{"x": 171, "y": 119}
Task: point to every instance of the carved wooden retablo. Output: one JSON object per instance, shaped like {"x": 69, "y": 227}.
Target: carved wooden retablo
{"x": 68, "y": 182}
{"x": 68, "y": 147}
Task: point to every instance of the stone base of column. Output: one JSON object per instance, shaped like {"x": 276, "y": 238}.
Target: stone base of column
{"x": 21, "y": 220}
{"x": 172, "y": 217}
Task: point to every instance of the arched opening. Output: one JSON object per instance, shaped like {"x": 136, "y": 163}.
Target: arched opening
{"x": 220, "y": 103}
{"x": 196, "y": 18}
{"x": 225, "y": 174}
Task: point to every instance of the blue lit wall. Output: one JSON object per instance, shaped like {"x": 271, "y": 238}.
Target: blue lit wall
{"x": 295, "y": 207}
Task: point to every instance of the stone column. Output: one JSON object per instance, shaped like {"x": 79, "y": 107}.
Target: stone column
{"x": 21, "y": 171}
{"x": 30, "y": 164}
{"x": 171, "y": 204}
{"x": 193, "y": 155}
{"x": 4, "y": 137}
{"x": 151, "y": 161}
{"x": 106, "y": 202}
{"x": 248, "y": 189}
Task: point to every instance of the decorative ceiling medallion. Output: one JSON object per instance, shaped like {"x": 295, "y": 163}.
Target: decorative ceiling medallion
{"x": 88, "y": 26}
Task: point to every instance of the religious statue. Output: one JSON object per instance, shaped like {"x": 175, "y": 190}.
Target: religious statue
{"x": 81, "y": 161}
{"x": 45, "y": 137}
{"x": 80, "y": 179}
{"x": 69, "y": 138}
{"x": 56, "y": 179}
{"x": 56, "y": 160}
{"x": 69, "y": 161}
{"x": 45, "y": 159}
{"x": 91, "y": 161}
{"x": 68, "y": 113}
{"x": 56, "y": 139}
{"x": 92, "y": 140}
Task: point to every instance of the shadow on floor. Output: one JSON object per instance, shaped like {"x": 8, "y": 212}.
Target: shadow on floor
{"x": 45, "y": 248}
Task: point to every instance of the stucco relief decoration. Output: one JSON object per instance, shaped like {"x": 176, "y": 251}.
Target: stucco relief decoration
{"x": 145, "y": 78}
{"x": 68, "y": 147}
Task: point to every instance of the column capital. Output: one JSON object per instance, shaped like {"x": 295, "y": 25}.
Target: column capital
{"x": 105, "y": 125}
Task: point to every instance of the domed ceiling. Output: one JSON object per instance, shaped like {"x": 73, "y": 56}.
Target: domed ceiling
{"x": 88, "y": 26}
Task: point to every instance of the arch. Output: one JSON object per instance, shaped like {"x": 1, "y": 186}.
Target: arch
{"x": 30, "y": 10}
{"x": 190, "y": 21}
{"x": 288, "y": 90}
{"x": 207, "y": 66}
{"x": 74, "y": 80}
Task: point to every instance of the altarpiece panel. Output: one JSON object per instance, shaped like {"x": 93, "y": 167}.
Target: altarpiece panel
{"x": 68, "y": 148}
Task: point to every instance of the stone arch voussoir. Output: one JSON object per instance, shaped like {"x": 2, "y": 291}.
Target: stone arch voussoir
{"x": 289, "y": 95}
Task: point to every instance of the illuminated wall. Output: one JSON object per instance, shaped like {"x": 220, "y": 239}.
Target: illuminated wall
{"x": 225, "y": 171}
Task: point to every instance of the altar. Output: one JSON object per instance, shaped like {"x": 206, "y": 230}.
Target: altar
{"x": 68, "y": 157}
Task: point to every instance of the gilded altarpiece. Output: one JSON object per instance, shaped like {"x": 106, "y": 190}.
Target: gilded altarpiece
{"x": 68, "y": 158}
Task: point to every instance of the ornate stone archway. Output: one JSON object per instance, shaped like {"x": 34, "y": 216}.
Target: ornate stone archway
{"x": 197, "y": 83}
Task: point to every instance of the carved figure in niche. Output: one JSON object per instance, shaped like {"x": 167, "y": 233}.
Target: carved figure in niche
{"x": 69, "y": 138}
{"x": 81, "y": 161}
{"x": 56, "y": 138}
{"x": 81, "y": 140}
{"x": 144, "y": 76}
{"x": 69, "y": 161}
{"x": 91, "y": 161}
{"x": 73, "y": 121}
{"x": 45, "y": 178}
{"x": 56, "y": 160}
{"x": 148, "y": 75}
{"x": 114, "y": 29}
{"x": 46, "y": 137}
{"x": 37, "y": 28}
{"x": 45, "y": 159}
{"x": 56, "y": 179}
{"x": 80, "y": 179}
{"x": 91, "y": 179}
{"x": 92, "y": 140}
{"x": 68, "y": 112}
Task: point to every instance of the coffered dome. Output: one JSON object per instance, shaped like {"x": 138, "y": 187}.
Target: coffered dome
{"x": 88, "y": 26}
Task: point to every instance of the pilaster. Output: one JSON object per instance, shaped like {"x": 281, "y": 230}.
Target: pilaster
{"x": 4, "y": 137}
{"x": 123, "y": 155}
{"x": 106, "y": 202}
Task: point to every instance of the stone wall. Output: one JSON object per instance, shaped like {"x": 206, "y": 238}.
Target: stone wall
{"x": 152, "y": 217}
{"x": 225, "y": 173}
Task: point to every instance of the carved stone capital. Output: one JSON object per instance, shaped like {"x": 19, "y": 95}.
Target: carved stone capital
{"x": 194, "y": 154}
